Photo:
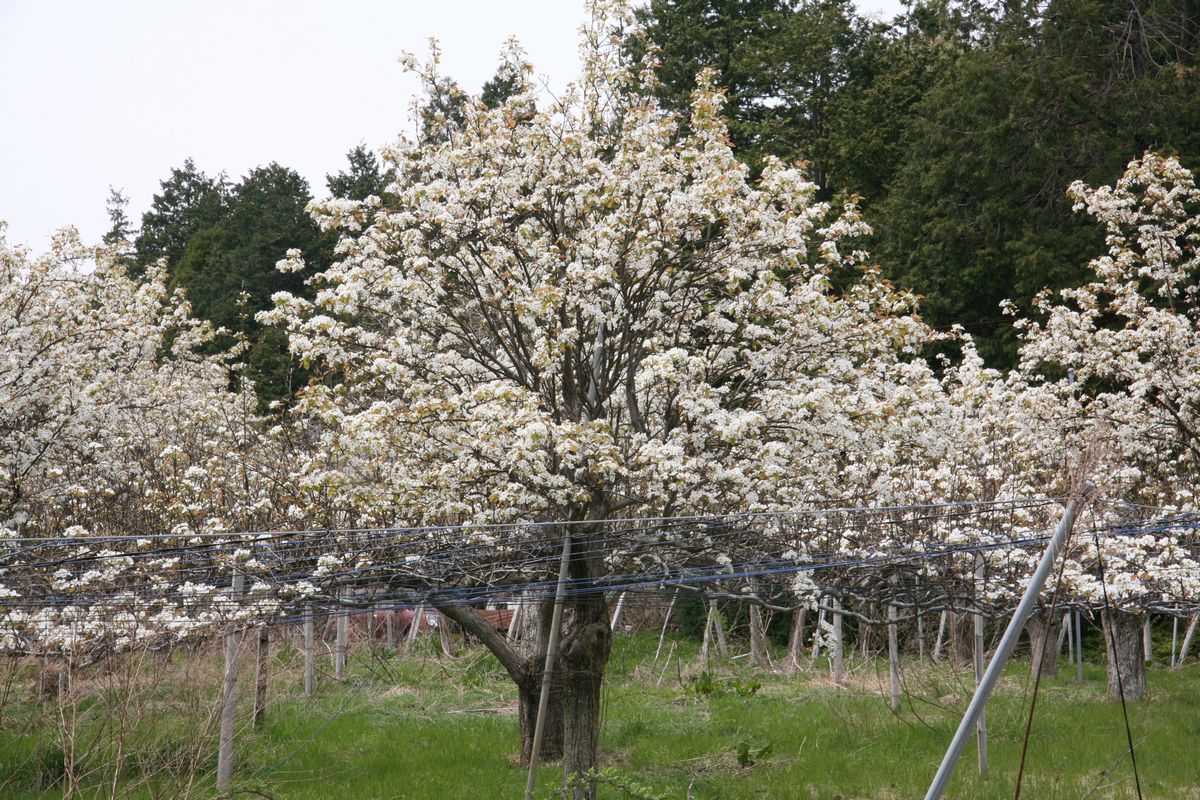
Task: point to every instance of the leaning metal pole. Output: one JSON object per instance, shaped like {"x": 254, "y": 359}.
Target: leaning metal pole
{"x": 990, "y": 677}
{"x": 539, "y": 727}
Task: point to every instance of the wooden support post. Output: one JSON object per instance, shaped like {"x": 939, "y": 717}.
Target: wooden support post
{"x": 415, "y": 626}
{"x": 261, "y": 665}
{"x": 1174, "y": 638}
{"x": 719, "y": 630}
{"x": 941, "y": 637}
{"x": 342, "y": 643}
{"x": 233, "y": 639}
{"x": 796, "y": 639}
{"x": 1064, "y": 634}
{"x": 838, "y": 642}
{"x": 1078, "y": 645}
{"x": 616, "y": 617}
{"x": 443, "y": 624}
{"x": 758, "y": 646}
{"x": 704, "y": 643}
{"x": 663, "y": 634}
{"x": 310, "y": 682}
{"x": 1187, "y": 638}
{"x": 389, "y": 623}
{"x": 515, "y": 619}
{"x": 816, "y": 648}
{"x": 980, "y": 647}
{"x": 920, "y": 637}
{"x": 41, "y": 676}
{"x": 894, "y": 657}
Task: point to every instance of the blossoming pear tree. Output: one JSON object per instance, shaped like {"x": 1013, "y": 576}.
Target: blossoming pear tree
{"x": 1124, "y": 350}
{"x": 582, "y": 307}
{"x": 116, "y": 424}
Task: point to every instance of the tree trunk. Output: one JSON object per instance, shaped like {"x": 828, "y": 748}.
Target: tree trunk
{"x": 758, "y": 637}
{"x": 528, "y": 694}
{"x": 524, "y": 664}
{"x": 796, "y": 639}
{"x": 583, "y": 663}
{"x": 1123, "y": 647}
{"x": 962, "y": 638}
{"x": 1043, "y": 640}
{"x": 585, "y": 653}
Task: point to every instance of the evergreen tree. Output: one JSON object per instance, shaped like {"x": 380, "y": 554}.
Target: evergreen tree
{"x": 744, "y": 43}
{"x": 362, "y": 178}
{"x": 188, "y": 201}
{"x": 120, "y": 228}
{"x": 977, "y": 212}
{"x": 222, "y": 243}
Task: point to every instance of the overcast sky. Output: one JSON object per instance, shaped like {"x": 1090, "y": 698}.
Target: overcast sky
{"x": 116, "y": 93}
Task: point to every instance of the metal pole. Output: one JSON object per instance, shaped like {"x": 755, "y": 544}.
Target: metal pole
{"x": 539, "y": 726}
{"x": 1012, "y": 633}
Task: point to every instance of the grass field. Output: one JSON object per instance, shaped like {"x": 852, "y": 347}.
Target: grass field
{"x": 423, "y": 727}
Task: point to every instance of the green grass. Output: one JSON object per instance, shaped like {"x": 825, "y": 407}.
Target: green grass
{"x": 422, "y": 727}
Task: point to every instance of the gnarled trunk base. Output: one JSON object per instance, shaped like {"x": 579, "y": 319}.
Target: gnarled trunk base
{"x": 1123, "y": 648}
{"x": 1043, "y": 641}
{"x": 528, "y": 695}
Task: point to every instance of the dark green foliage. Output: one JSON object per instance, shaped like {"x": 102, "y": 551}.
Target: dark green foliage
{"x": 221, "y": 244}
{"x": 977, "y": 212}
{"x": 188, "y": 201}
{"x": 960, "y": 125}
{"x": 363, "y": 177}
{"x": 120, "y": 228}
{"x": 743, "y": 43}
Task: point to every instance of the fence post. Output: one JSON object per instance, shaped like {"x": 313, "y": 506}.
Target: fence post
{"x": 616, "y": 617}
{"x": 894, "y": 657}
{"x": 941, "y": 637}
{"x": 233, "y": 639}
{"x": 1078, "y": 645}
{"x": 1187, "y": 638}
{"x": 838, "y": 642}
{"x": 261, "y": 665}
{"x": 980, "y": 648}
{"x": 1174, "y": 638}
{"x": 310, "y": 675}
{"x": 719, "y": 630}
{"x": 343, "y": 636}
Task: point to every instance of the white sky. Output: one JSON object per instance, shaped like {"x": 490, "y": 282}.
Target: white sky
{"x": 117, "y": 93}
